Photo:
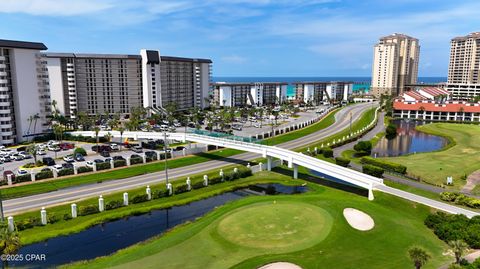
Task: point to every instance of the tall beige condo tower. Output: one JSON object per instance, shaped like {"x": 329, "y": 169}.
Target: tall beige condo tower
{"x": 465, "y": 59}
{"x": 395, "y": 64}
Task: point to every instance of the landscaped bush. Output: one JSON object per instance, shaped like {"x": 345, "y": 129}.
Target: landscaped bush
{"x": 119, "y": 163}
{"x": 389, "y": 166}
{"x": 67, "y": 217}
{"x": 44, "y": 175}
{"x": 342, "y": 161}
{"x": 391, "y": 131}
{"x": 460, "y": 199}
{"x": 66, "y": 172}
{"x": 181, "y": 188}
{"x": 162, "y": 156}
{"x": 244, "y": 172}
{"x": 23, "y": 178}
{"x": 103, "y": 166}
{"x": 136, "y": 160}
{"x": 52, "y": 218}
{"x": 84, "y": 169}
{"x": 215, "y": 179}
{"x": 363, "y": 147}
{"x": 455, "y": 227}
{"x": 327, "y": 152}
{"x": 157, "y": 194}
{"x": 114, "y": 204}
{"x": 28, "y": 223}
{"x": 80, "y": 151}
{"x": 151, "y": 158}
{"x": 140, "y": 198}
{"x": 198, "y": 185}
{"x": 88, "y": 210}
{"x": 372, "y": 170}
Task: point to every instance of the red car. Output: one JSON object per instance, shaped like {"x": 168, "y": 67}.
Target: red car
{"x": 67, "y": 146}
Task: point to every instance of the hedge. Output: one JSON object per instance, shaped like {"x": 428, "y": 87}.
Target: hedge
{"x": 88, "y": 210}
{"x": 327, "y": 152}
{"x": 66, "y": 172}
{"x": 450, "y": 227}
{"x": 84, "y": 169}
{"x": 140, "y": 198}
{"x": 363, "y": 146}
{"x": 113, "y": 204}
{"x": 181, "y": 188}
{"x": 44, "y": 175}
{"x": 389, "y": 166}
{"x": 372, "y": 170}
{"x": 23, "y": 178}
{"x": 103, "y": 166}
{"x": 119, "y": 163}
{"x": 136, "y": 161}
{"x": 159, "y": 194}
{"x": 460, "y": 199}
{"x": 198, "y": 185}
{"x": 342, "y": 161}
{"x": 80, "y": 151}
{"x": 28, "y": 223}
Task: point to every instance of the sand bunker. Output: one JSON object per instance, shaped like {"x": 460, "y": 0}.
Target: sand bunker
{"x": 280, "y": 265}
{"x": 358, "y": 219}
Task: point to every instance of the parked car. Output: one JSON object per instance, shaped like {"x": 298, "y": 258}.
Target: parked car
{"x": 25, "y": 155}
{"x": 105, "y": 154}
{"x": 101, "y": 148}
{"x": 16, "y": 157}
{"x": 67, "y": 146}
{"x": 69, "y": 159}
{"x": 46, "y": 169}
{"x": 237, "y": 127}
{"x": 57, "y": 167}
{"x": 107, "y": 160}
{"x": 41, "y": 152}
{"x": 21, "y": 148}
{"x": 114, "y": 146}
{"x": 79, "y": 157}
{"x": 150, "y": 154}
{"x": 137, "y": 149}
{"x": 118, "y": 158}
{"x": 177, "y": 124}
{"x": 53, "y": 148}
{"x": 179, "y": 148}
{"x": 49, "y": 161}
{"x": 5, "y": 159}
{"x": 67, "y": 165}
{"x": 90, "y": 163}
{"x": 22, "y": 172}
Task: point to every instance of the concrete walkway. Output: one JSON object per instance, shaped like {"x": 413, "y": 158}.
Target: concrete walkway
{"x": 472, "y": 181}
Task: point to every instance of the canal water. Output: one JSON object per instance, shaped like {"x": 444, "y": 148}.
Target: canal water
{"x": 408, "y": 140}
{"x": 107, "y": 238}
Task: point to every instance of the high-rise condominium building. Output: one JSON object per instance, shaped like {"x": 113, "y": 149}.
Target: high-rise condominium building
{"x": 249, "y": 93}
{"x": 464, "y": 68}
{"x": 24, "y": 91}
{"x": 116, "y": 83}
{"x": 321, "y": 91}
{"x": 395, "y": 64}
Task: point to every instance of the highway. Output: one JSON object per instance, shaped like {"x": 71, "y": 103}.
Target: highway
{"x": 69, "y": 195}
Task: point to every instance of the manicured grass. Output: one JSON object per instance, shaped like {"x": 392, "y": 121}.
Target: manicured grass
{"x": 460, "y": 158}
{"x": 222, "y": 238}
{"x": 53, "y": 185}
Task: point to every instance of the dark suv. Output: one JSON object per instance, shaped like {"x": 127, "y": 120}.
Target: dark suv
{"x": 49, "y": 161}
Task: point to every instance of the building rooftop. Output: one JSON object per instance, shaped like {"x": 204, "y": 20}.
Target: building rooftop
{"x": 321, "y": 82}
{"x": 434, "y": 91}
{"x": 471, "y": 35}
{"x": 415, "y": 95}
{"x": 247, "y": 83}
{"x": 397, "y": 35}
{"x": 22, "y": 44}
{"x": 454, "y": 106}
{"x": 120, "y": 56}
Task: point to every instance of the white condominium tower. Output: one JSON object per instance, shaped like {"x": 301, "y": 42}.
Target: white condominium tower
{"x": 465, "y": 59}
{"x": 24, "y": 91}
{"x": 395, "y": 64}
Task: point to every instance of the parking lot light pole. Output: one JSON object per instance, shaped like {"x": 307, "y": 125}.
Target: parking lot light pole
{"x": 166, "y": 155}
{"x": 1, "y": 207}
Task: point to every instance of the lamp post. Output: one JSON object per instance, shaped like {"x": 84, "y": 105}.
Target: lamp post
{"x": 166, "y": 155}
{"x": 350, "y": 123}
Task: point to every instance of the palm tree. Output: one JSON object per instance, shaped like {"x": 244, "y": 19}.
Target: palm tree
{"x": 58, "y": 131}
{"x": 121, "y": 129}
{"x": 419, "y": 256}
{"x": 9, "y": 241}
{"x": 35, "y": 118}
{"x": 458, "y": 248}
{"x": 96, "y": 129}
{"x": 32, "y": 150}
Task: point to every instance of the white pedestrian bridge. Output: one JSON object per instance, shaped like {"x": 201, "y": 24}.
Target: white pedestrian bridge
{"x": 294, "y": 160}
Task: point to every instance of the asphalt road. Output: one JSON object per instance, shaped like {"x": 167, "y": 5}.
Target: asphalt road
{"x": 69, "y": 195}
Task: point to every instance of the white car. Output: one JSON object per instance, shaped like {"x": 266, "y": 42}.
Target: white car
{"x": 58, "y": 167}
{"x": 68, "y": 159}
{"x": 22, "y": 172}
{"x": 90, "y": 163}
{"x": 25, "y": 155}
{"x": 177, "y": 124}
{"x": 257, "y": 125}
{"x": 41, "y": 152}
{"x": 16, "y": 157}
{"x": 53, "y": 148}
{"x": 114, "y": 146}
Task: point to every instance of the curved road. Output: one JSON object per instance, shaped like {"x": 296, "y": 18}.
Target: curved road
{"x": 68, "y": 195}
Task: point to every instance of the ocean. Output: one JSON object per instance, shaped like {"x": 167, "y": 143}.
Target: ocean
{"x": 360, "y": 83}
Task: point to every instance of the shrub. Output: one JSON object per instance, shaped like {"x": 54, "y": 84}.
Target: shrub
{"x": 140, "y": 198}
{"x": 391, "y": 131}
{"x": 342, "y": 161}
{"x": 119, "y": 163}
{"x": 181, "y": 188}
{"x": 372, "y": 170}
{"x": 23, "y": 178}
{"x": 460, "y": 199}
{"x": 28, "y": 223}
{"x": 455, "y": 227}
{"x": 114, "y": 204}
{"x": 136, "y": 160}
{"x": 244, "y": 172}
{"x": 103, "y": 166}
{"x": 198, "y": 185}
{"x": 159, "y": 194}
{"x": 363, "y": 146}
{"x": 44, "y": 175}
{"x": 84, "y": 169}
{"x": 88, "y": 210}
{"x": 449, "y": 196}
{"x": 67, "y": 217}
{"x": 327, "y": 152}
{"x": 389, "y": 166}
{"x": 80, "y": 151}
{"x": 215, "y": 179}
{"x": 52, "y": 218}
{"x": 66, "y": 172}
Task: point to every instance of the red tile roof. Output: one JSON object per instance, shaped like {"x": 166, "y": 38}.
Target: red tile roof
{"x": 434, "y": 91}
{"x": 432, "y": 106}
{"x": 415, "y": 95}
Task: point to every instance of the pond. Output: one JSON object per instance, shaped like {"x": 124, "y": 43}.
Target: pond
{"x": 107, "y": 238}
{"x": 408, "y": 140}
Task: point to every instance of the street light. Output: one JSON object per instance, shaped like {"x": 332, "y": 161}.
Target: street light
{"x": 166, "y": 155}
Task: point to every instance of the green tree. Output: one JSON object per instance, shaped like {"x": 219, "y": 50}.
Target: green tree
{"x": 32, "y": 150}
{"x": 96, "y": 129}
{"x": 121, "y": 129}
{"x": 58, "y": 131}
{"x": 458, "y": 248}
{"x": 9, "y": 240}
{"x": 419, "y": 256}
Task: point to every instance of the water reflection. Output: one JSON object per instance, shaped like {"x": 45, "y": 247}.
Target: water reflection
{"x": 408, "y": 140}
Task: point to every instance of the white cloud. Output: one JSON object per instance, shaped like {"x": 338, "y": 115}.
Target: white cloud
{"x": 234, "y": 59}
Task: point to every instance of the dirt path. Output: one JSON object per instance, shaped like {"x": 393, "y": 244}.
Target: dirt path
{"x": 472, "y": 181}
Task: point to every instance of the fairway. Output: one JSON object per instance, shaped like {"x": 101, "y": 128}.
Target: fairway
{"x": 457, "y": 161}
{"x": 276, "y": 225}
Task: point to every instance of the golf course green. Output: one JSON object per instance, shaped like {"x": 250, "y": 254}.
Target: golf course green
{"x": 306, "y": 229}
{"x": 458, "y": 160}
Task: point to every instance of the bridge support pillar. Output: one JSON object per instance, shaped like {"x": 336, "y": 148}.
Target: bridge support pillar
{"x": 370, "y": 193}
{"x": 295, "y": 171}
{"x": 269, "y": 163}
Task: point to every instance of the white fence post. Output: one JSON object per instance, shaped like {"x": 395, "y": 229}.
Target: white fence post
{"x": 11, "y": 224}
{"x": 74, "y": 210}
{"x": 101, "y": 204}
{"x": 205, "y": 180}
{"x": 43, "y": 216}
{"x": 149, "y": 192}
{"x": 189, "y": 184}
{"x": 125, "y": 198}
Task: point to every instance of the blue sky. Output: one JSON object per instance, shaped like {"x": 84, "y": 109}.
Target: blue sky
{"x": 246, "y": 37}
